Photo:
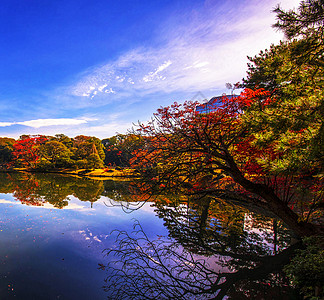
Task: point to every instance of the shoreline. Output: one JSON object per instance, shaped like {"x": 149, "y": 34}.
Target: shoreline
{"x": 96, "y": 173}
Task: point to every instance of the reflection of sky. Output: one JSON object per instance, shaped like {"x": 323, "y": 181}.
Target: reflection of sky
{"x": 49, "y": 253}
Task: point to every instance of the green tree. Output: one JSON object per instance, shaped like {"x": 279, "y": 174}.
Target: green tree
{"x": 6, "y": 149}
{"x": 119, "y": 149}
{"x": 306, "y": 269}
{"x": 306, "y": 25}
{"x": 94, "y": 161}
{"x": 217, "y": 155}
{"x": 293, "y": 72}
{"x": 64, "y": 139}
{"x": 84, "y": 146}
{"x": 56, "y": 153}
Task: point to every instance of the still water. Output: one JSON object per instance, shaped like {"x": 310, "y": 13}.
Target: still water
{"x": 55, "y": 231}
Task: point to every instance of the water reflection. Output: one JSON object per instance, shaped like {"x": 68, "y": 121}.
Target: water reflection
{"x": 214, "y": 250}
{"x": 38, "y": 189}
{"x": 48, "y": 253}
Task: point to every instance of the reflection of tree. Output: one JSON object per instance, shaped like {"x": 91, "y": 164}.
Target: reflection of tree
{"x": 88, "y": 190}
{"x": 37, "y": 189}
{"x": 154, "y": 269}
{"x": 206, "y": 227}
{"x": 124, "y": 194}
{"x": 214, "y": 249}
{"x": 163, "y": 269}
{"x": 116, "y": 190}
{"x": 6, "y": 183}
{"x": 26, "y": 191}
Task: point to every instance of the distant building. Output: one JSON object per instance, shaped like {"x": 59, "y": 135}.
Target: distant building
{"x": 212, "y": 104}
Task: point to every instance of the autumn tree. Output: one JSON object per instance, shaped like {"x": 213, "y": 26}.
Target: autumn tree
{"x": 263, "y": 147}
{"x": 51, "y": 152}
{"x": 217, "y": 155}
{"x": 26, "y": 151}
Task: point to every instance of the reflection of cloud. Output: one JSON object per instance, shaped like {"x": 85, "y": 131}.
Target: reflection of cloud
{"x": 46, "y": 205}
{"x": 74, "y": 206}
{"x": 3, "y": 201}
{"x": 89, "y": 236}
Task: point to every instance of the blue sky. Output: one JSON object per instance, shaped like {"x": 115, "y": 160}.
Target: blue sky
{"x": 95, "y": 67}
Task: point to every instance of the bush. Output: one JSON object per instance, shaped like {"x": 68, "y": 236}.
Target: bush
{"x": 44, "y": 165}
{"x": 306, "y": 269}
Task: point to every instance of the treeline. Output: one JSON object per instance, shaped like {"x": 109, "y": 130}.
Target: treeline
{"x": 60, "y": 151}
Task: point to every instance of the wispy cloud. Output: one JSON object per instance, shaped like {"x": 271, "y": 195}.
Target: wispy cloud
{"x": 5, "y": 124}
{"x": 155, "y": 75}
{"x": 51, "y": 122}
{"x": 196, "y": 49}
{"x": 46, "y": 122}
{"x": 202, "y": 49}
{"x": 106, "y": 129}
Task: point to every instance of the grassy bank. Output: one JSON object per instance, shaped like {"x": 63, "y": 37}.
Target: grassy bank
{"x": 105, "y": 173}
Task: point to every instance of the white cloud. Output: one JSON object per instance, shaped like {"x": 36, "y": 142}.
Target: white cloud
{"x": 202, "y": 49}
{"x": 101, "y": 88}
{"x": 48, "y": 122}
{"x": 198, "y": 65}
{"x": 155, "y": 75}
{"x": 107, "y": 129}
{"x": 102, "y": 126}
{"x": 5, "y": 124}
{"x": 197, "y": 50}
{"x": 51, "y": 122}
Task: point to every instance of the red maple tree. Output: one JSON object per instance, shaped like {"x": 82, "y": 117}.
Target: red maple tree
{"x": 216, "y": 154}
{"x": 26, "y": 151}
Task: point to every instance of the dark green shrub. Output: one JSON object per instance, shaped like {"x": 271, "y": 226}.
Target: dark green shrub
{"x": 306, "y": 269}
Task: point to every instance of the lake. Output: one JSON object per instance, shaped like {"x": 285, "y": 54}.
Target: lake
{"x": 56, "y": 233}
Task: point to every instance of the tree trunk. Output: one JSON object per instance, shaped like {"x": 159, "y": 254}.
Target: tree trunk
{"x": 274, "y": 203}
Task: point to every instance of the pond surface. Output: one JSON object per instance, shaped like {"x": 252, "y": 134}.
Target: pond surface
{"x": 52, "y": 253}
{"x": 54, "y": 230}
